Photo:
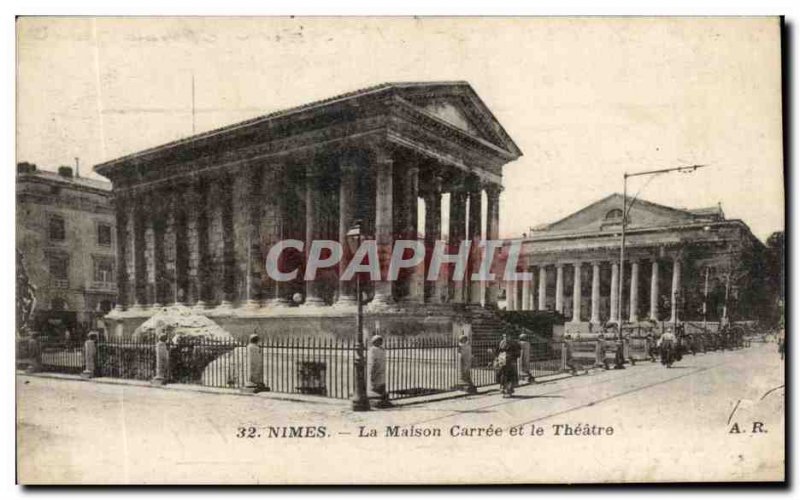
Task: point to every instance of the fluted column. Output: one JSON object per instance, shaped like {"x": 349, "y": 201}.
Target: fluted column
{"x": 560, "y": 288}
{"x": 195, "y": 221}
{"x": 614, "y": 298}
{"x": 171, "y": 251}
{"x": 492, "y": 233}
{"x": 457, "y": 235}
{"x": 312, "y": 199}
{"x": 509, "y": 295}
{"x": 433, "y": 233}
{"x": 347, "y": 211}
{"x": 474, "y": 234}
{"x": 676, "y": 287}
{"x": 275, "y": 185}
{"x": 527, "y": 291}
{"x": 415, "y": 282}
{"x": 542, "y": 288}
{"x": 634, "y": 305}
{"x": 253, "y": 265}
{"x": 384, "y": 226}
{"x": 150, "y": 254}
{"x": 654, "y": 288}
{"x": 576, "y": 294}
{"x": 122, "y": 209}
{"x": 595, "y": 292}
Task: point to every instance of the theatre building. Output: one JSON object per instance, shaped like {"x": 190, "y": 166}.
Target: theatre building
{"x": 196, "y": 217}
{"x": 65, "y": 234}
{"x": 685, "y": 265}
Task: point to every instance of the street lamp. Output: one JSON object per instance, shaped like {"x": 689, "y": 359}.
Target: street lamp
{"x": 360, "y": 400}
{"x": 625, "y": 209}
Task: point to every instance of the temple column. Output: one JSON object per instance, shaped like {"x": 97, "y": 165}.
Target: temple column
{"x": 509, "y": 295}
{"x": 676, "y": 287}
{"x": 171, "y": 252}
{"x": 560, "y": 288}
{"x": 492, "y": 233}
{"x": 433, "y": 233}
{"x": 475, "y": 288}
{"x": 273, "y": 222}
{"x": 347, "y": 211}
{"x": 457, "y": 234}
{"x": 228, "y": 250}
{"x": 542, "y": 288}
{"x": 633, "y": 317}
{"x": 654, "y": 287}
{"x": 195, "y": 223}
{"x": 122, "y": 213}
{"x": 614, "y": 299}
{"x": 595, "y": 293}
{"x": 384, "y": 225}
{"x": 252, "y": 237}
{"x": 312, "y": 197}
{"x": 415, "y": 279}
{"x": 151, "y": 299}
{"x": 576, "y": 294}
{"x": 527, "y": 291}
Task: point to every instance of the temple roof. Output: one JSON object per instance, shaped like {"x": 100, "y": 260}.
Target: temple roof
{"x": 453, "y": 102}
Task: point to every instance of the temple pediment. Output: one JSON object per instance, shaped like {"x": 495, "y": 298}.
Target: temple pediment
{"x": 606, "y": 214}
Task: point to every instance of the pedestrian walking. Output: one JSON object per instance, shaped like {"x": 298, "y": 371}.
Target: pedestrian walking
{"x": 505, "y": 365}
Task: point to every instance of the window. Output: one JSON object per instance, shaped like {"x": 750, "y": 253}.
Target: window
{"x": 59, "y": 270}
{"x": 104, "y": 235}
{"x": 57, "y": 228}
{"x": 615, "y": 214}
{"x": 103, "y": 270}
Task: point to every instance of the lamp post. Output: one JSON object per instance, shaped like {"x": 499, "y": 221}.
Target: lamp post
{"x": 625, "y": 209}
{"x": 360, "y": 400}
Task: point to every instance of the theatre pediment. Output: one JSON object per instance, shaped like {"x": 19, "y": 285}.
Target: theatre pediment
{"x": 606, "y": 214}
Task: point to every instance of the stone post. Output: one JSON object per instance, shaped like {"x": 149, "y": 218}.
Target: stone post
{"x": 255, "y": 367}
{"x": 525, "y": 358}
{"x": 35, "y": 346}
{"x": 465, "y": 365}
{"x": 90, "y": 356}
{"x": 162, "y": 361}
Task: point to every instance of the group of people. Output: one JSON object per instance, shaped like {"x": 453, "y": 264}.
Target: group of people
{"x": 672, "y": 345}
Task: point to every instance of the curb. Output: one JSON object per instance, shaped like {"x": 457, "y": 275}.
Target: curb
{"x": 297, "y": 398}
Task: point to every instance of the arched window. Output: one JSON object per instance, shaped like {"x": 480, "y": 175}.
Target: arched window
{"x": 614, "y": 214}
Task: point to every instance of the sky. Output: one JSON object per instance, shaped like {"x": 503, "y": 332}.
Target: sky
{"x": 585, "y": 99}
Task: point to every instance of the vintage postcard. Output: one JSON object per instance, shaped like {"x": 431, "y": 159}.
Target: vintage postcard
{"x": 399, "y": 250}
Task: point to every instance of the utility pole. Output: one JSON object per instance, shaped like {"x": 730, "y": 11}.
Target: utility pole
{"x": 625, "y": 209}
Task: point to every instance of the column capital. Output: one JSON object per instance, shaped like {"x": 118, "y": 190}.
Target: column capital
{"x": 492, "y": 189}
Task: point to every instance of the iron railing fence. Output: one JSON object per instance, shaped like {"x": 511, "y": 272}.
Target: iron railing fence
{"x": 420, "y": 366}
{"x": 126, "y": 359}
{"x": 316, "y": 366}
{"x": 61, "y": 356}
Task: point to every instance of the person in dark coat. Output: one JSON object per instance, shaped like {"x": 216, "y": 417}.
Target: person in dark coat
{"x": 508, "y": 351}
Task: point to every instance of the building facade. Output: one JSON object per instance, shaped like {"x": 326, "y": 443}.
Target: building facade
{"x": 197, "y": 217}
{"x": 679, "y": 265}
{"x": 65, "y": 233}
